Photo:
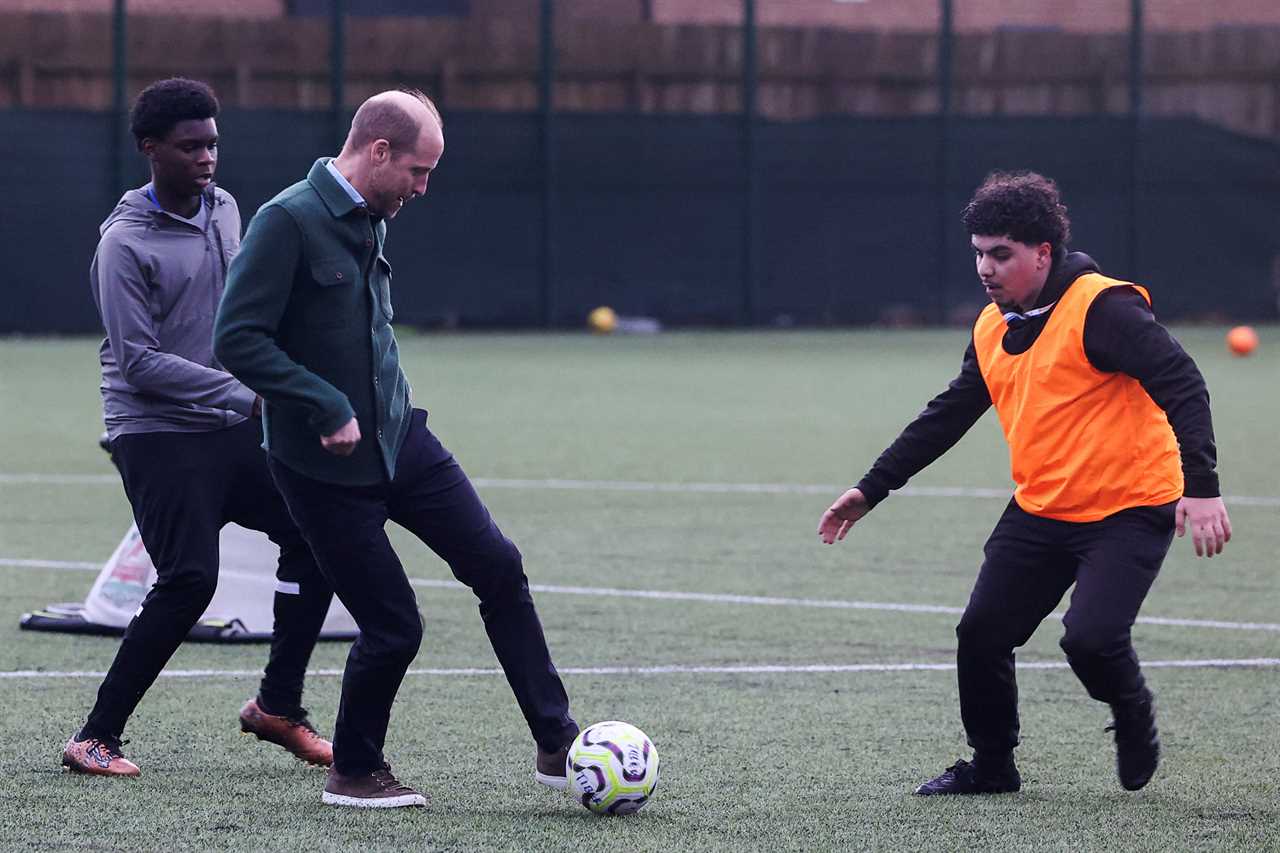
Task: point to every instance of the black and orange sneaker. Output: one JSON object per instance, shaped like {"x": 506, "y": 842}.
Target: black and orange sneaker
{"x": 377, "y": 790}
{"x": 296, "y": 733}
{"x": 97, "y": 757}
{"x": 1137, "y": 742}
{"x": 966, "y": 777}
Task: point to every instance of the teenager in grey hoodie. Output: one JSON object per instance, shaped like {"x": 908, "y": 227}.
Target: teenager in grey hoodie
{"x": 185, "y": 434}
{"x": 156, "y": 279}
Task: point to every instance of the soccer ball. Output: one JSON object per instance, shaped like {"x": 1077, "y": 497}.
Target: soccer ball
{"x": 613, "y": 768}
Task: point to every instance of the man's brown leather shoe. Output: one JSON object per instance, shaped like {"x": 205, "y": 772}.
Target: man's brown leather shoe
{"x": 550, "y": 769}
{"x": 377, "y": 790}
{"x": 296, "y": 735}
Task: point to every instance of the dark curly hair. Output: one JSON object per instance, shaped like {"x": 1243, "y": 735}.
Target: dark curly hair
{"x": 165, "y": 103}
{"x": 1024, "y": 205}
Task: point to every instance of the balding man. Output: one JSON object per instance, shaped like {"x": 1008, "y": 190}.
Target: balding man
{"x": 305, "y": 322}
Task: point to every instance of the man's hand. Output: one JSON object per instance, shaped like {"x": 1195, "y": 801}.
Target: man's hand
{"x": 1210, "y": 527}
{"x": 842, "y": 515}
{"x": 257, "y": 406}
{"x": 344, "y": 441}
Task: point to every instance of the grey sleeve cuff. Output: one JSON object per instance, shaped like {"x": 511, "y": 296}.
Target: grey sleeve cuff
{"x": 240, "y": 400}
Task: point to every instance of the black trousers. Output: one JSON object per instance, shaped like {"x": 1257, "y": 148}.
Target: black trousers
{"x": 433, "y": 499}
{"x": 1030, "y": 563}
{"x": 184, "y": 487}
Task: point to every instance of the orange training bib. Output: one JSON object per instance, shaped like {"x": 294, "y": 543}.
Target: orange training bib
{"x": 1083, "y": 444}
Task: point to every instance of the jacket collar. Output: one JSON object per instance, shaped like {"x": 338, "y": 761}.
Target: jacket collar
{"x": 210, "y": 197}
{"x": 330, "y": 191}
{"x": 1067, "y": 267}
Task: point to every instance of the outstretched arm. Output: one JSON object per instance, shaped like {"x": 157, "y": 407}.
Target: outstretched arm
{"x": 935, "y": 430}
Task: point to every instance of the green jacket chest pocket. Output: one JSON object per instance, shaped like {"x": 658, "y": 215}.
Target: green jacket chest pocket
{"x": 335, "y": 301}
{"x": 381, "y": 281}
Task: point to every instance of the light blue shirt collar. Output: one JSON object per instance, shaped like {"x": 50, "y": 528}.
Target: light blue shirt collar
{"x": 345, "y": 184}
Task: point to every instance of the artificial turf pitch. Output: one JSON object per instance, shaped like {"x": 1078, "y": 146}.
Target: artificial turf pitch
{"x": 647, "y": 480}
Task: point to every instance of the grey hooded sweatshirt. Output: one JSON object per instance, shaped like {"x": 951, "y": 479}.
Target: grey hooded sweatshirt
{"x": 157, "y": 280}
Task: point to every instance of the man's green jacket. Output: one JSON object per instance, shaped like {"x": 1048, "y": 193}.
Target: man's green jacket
{"x": 305, "y": 322}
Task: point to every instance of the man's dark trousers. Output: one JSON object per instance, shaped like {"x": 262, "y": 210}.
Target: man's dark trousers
{"x": 184, "y": 487}
{"x": 432, "y": 498}
{"x": 1030, "y": 563}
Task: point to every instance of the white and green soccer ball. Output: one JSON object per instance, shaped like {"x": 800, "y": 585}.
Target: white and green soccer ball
{"x": 613, "y": 768}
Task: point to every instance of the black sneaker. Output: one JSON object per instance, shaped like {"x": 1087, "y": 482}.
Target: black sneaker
{"x": 966, "y": 777}
{"x": 1137, "y": 742}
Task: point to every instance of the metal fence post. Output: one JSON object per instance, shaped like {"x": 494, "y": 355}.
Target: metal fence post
{"x": 1136, "y": 32}
{"x": 337, "y": 70}
{"x": 546, "y": 113}
{"x": 751, "y": 208}
{"x": 119, "y": 108}
{"x": 946, "y": 37}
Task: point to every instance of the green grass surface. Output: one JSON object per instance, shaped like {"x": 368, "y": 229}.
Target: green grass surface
{"x": 751, "y": 761}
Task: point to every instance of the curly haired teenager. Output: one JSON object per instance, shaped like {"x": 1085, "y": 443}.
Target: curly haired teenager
{"x": 1111, "y": 449}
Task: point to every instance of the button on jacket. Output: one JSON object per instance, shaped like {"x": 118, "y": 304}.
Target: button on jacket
{"x": 305, "y": 322}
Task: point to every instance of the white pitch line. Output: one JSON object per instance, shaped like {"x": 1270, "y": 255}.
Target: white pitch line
{"x": 708, "y": 597}
{"x": 1202, "y": 623}
{"x": 65, "y": 565}
{"x": 668, "y": 669}
{"x": 835, "y": 604}
{"x": 557, "y": 484}
{"x": 60, "y": 479}
{"x": 705, "y": 597}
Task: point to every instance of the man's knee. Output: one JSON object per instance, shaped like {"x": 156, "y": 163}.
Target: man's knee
{"x": 497, "y": 572}
{"x": 406, "y": 645}
{"x": 508, "y": 563}
{"x": 188, "y": 588}
{"x": 297, "y": 564}
{"x": 986, "y": 631}
{"x": 410, "y": 639}
{"x": 1090, "y": 641}
{"x": 398, "y": 641}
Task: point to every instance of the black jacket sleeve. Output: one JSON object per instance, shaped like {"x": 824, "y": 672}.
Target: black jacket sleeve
{"x": 934, "y": 431}
{"x": 1121, "y": 335}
